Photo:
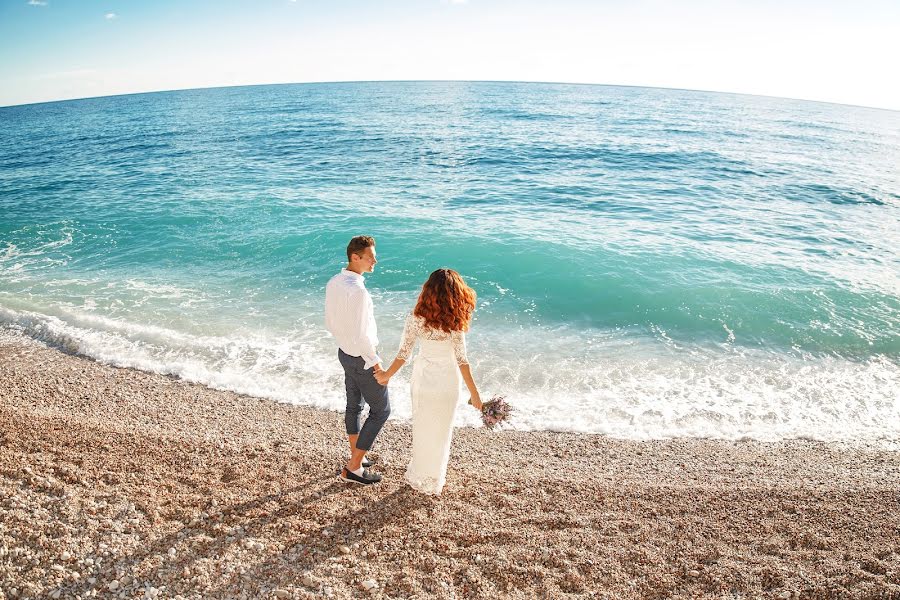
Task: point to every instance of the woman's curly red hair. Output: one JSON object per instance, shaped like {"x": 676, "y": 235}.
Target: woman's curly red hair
{"x": 446, "y": 302}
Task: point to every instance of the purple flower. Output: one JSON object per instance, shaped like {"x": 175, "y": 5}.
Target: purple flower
{"x": 495, "y": 411}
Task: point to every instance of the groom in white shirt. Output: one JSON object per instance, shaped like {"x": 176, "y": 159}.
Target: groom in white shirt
{"x": 350, "y": 317}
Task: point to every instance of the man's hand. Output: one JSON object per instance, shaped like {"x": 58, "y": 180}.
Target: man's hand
{"x": 381, "y": 376}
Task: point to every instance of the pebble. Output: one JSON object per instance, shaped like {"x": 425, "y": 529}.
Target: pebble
{"x": 282, "y": 594}
{"x": 58, "y": 568}
{"x": 309, "y": 580}
{"x": 205, "y": 569}
{"x": 113, "y": 585}
{"x": 369, "y": 584}
{"x": 56, "y": 594}
{"x": 172, "y": 552}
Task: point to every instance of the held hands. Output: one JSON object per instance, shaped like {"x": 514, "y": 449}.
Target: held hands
{"x": 381, "y": 376}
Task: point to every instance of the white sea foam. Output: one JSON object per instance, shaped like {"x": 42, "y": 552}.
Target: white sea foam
{"x": 158, "y": 290}
{"x": 9, "y": 251}
{"x": 65, "y": 240}
{"x": 25, "y": 263}
{"x": 285, "y": 369}
{"x": 620, "y": 388}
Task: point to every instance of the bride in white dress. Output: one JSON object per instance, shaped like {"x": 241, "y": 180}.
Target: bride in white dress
{"x": 439, "y": 322}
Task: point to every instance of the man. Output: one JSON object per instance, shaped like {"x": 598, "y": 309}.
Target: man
{"x": 350, "y": 318}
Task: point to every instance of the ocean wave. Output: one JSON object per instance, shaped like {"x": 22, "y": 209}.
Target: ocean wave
{"x": 522, "y": 115}
{"x": 818, "y": 192}
{"x": 629, "y": 391}
{"x": 9, "y": 251}
{"x": 281, "y": 369}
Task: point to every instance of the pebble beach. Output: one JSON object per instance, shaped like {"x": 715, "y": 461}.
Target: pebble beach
{"x": 116, "y": 483}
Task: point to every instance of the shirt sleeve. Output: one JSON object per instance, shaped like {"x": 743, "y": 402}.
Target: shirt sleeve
{"x": 458, "y": 339}
{"x": 408, "y": 341}
{"x": 364, "y": 313}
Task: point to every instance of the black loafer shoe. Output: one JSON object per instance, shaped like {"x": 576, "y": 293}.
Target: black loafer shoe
{"x": 367, "y": 478}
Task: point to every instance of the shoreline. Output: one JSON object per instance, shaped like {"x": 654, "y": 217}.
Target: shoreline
{"x": 162, "y": 488}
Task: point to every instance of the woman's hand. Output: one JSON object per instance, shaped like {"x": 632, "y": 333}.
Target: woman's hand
{"x": 475, "y": 401}
{"x": 382, "y": 376}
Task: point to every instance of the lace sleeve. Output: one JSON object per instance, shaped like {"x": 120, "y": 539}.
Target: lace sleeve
{"x": 458, "y": 339}
{"x": 408, "y": 341}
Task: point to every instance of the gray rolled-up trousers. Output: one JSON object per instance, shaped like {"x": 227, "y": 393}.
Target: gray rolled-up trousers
{"x": 362, "y": 387}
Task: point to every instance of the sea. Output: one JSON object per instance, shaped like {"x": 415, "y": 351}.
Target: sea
{"x": 649, "y": 263}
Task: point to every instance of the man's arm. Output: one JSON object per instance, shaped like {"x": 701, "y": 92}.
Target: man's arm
{"x": 363, "y": 309}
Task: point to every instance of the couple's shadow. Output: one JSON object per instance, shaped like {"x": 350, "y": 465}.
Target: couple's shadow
{"x": 337, "y": 528}
{"x": 300, "y": 528}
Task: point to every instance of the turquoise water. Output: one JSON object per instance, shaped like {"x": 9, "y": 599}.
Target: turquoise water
{"x": 649, "y": 263}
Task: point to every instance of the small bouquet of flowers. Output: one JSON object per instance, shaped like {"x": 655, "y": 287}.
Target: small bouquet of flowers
{"x": 495, "y": 411}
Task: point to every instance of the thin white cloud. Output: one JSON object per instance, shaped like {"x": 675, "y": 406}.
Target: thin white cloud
{"x": 37, "y": 3}
{"x": 111, "y": 15}
{"x": 71, "y": 74}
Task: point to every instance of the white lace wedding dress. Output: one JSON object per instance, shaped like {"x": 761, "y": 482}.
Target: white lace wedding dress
{"x": 435, "y": 390}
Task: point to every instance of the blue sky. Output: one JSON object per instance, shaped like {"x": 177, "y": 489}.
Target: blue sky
{"x": 832, "y": 51}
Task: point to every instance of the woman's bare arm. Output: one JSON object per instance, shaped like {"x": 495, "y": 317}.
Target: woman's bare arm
{"x": 470, "y": 383}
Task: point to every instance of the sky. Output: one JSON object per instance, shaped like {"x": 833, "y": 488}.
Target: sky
{"x": 830, "y": 50}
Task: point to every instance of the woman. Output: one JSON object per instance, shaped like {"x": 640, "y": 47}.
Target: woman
{"x": 439, "y": 322}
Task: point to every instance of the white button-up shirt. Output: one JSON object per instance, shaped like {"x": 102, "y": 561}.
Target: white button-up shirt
{"x": 350, "y": 316}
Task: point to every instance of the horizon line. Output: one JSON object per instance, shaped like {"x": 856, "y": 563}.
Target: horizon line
{"x": 332, "y": 82}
